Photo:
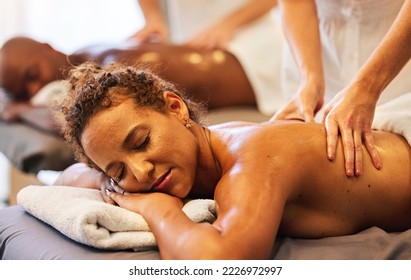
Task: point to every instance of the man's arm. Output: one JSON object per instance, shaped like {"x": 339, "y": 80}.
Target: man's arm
{"x": 40, "y": 117}
{"x": 37, "y": 116}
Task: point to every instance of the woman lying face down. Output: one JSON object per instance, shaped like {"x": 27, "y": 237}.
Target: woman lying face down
{"x": 267, "y": 179}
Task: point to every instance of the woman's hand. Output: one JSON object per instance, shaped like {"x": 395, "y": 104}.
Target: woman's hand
{"x": 351, "y": 113}
{"x": 154, "y": 32}
{"x": 218, "y": 35}
{"x": 156, "y": 28}
{"x": 304, "y": 105}
{"x": 142, "y": 202}
{"x": 215, "y": 37}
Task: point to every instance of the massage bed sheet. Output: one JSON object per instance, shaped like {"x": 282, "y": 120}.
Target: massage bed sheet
{"x": 23, "y": 236}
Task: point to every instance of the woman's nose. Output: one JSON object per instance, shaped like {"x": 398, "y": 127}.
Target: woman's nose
{"x": 142, "y": 171}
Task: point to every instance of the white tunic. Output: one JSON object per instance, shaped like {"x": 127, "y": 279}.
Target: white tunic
{"x": 350, "y": 31}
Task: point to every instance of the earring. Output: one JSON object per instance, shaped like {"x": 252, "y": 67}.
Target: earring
{"x": 188, "y": 124}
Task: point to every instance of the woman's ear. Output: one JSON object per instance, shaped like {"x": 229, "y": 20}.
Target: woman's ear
{"x": 175, "y": 105}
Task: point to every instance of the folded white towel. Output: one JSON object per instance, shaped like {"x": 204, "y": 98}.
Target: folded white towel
{"x": 82, "y": 215}
{"x": 395, "y": 116}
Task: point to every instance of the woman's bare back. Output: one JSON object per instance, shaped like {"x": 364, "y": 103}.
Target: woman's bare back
{"x": 321, "y": 200}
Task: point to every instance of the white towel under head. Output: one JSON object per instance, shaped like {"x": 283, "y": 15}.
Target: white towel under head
{"x": 82, "y": 215}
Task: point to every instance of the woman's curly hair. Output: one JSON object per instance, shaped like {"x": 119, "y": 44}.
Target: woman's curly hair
{"x": 94, "y": 89}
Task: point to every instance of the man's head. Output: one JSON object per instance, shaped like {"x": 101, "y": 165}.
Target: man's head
{"x": 27, "y": 65}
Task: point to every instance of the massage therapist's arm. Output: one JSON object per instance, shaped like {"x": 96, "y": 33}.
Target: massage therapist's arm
{"x": 300, "y": 24}
{"x": 218, "y": 35}
{"x": 351, "y": 111}
{"x": 155, "y": 28}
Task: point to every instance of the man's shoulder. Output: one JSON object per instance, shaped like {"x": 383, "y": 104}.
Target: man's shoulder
{"x": 98, "y": 51}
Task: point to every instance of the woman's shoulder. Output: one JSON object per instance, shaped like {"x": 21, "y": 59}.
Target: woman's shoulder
{"x": 268, "y": 125}
{"x": 247, "y": 131}
{"x": 279, "y": 135}
{"x": 257, "y": 139}
{"x": 272, "y": 150}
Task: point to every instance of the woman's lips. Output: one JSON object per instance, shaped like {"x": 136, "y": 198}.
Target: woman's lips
{"x": 162, "y": 183}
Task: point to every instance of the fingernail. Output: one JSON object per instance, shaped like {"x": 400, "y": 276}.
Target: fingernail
{"x": 108, "y": 192}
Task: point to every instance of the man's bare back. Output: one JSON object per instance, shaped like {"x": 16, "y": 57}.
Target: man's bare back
{"x": 319, "y": 199}
{"x": 205, "y": 74}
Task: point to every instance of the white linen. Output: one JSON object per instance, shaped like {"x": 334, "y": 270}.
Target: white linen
{"x": 82, "y": 215}
{"x": 350, "y": 31}
{"x": 395, "y": 116}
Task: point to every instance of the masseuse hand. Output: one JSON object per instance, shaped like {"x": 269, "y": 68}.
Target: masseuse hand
{"x": 351, "y": 113}
{"x": 215, "y": 37}
{"x": 304, "y": 105}
{"x": 154, "y": 31}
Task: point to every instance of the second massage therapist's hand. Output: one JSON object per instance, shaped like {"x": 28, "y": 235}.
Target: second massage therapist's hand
{"x": 351, "y": 113}
{"x": 155, "y": 31}
{"x": 215, "y": 37}
{"x": 148, "y": 34}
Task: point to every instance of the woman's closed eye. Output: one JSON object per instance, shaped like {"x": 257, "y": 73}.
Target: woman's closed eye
{"x": 120, "y": 174}
{"x": 142, "y": 145}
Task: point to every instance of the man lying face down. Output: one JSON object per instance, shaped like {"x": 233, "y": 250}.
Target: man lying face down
{"x": 27, "y": 66}
{"x": 142, "y": 133}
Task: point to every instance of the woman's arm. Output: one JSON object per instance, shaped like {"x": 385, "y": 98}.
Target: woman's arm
{"x": 82, "y": 176}
{"x": 300, "y": 24}
{"x": 245, "y": 228}
{"x": 219, "y": 34}
{"x": 156, "y": 28}
{"x": 351, "y": 111}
